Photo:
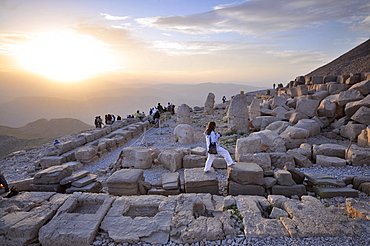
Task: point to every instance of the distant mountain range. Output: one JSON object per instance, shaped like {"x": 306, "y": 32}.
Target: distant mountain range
{"x": 356, "y": 60}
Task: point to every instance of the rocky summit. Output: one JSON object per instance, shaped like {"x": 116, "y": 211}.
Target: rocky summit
{"x": 301, "y": 175}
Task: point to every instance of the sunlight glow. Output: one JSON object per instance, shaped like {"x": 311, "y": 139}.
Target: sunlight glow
{"x": 66, "y": 57}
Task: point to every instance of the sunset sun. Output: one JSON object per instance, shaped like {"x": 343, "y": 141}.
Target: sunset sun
{"x": 66, "y": 57}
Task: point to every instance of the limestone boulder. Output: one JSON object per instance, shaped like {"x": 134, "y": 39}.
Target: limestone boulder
{"x": 328, "y": 161}
{"x": 299, "y": 159}
{"x": 319, "y": 95}
{"x": 279, "y": 112}
{"x": 351, "y": 130}
{"x": 347, "y": 96}
{"x": 333, "y": 150}
{"x": 191, "y": 161}
{"x": 277, "y": 126}
{"x": 296, "y": 116}
{"x": 250, "y": 144}
{"x": 209, "y": 103}
{"x": 86, "y": 153}
{"x": 261, "y": 122}
{"x": 362, "y": 115}
{"x": 352, "y": 107}
{"x": 307, "y": 106}
{"x": 261, "y": 159}
{"x": 237, "y": 114}
{"x": 358, "y": 156}
{"x": 246, "y": 173}
{"x": 363, "y": 87}
{"x": 281, "y": 159}
{"x": 137, "y": 157}
{"x": 278, "y": 101}
{"x": 311, "y": 125}
{"x": 184, "y": 133}
{"x": 171, "y": 159}
{"x": 52, "y": 175}
{"x": 183, "y": 114}
{"x": 254, "y": 109}
{"x": 270, "y": 141}
{"x": 197, "y": 181}
{"x": 171, "y": 181}
{"x": 284, "y": 178}
{"x": 125, "y": 182}
{"x": 327, "y": 108}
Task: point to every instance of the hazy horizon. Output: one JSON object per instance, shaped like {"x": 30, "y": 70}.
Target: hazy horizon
{"x": 73, "y": 49}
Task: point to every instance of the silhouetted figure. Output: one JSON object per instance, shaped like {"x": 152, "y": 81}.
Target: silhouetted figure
{"x": 119, "y": 117}
{"x": 273, "y": 86}
{"x": 98, "y": 121}
{"x": 160, "y": 108}
{"x": 223, "y": 99}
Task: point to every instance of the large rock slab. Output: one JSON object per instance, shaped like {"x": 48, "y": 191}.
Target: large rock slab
{"x": 310, "y": 218}
{"x": 197, "y": 181}
{"x": 184, "y": 133}
{"x": 311, "y": 125}
{"x": 261, "y": 159}
{"x": 238, "y": 114}
{"x": 288, "y": 191}
{"x": 329, "y": 192}
{"x": 125, "y": 182}
{"x": 352, "y": 107}
{"x": 318, "y": 179}
{"x": 307, "y": 106}
{"x": 362, "y": 115}
{"x": 171, "y": 159}
{"x": 358, "y": 156}
{"x": 328, "y": 161}
{"x": 281, "y": 159}
{"x": 137, "y": 157}
{"x": 170, "y": 181}
{"x": 22, "y": 227}
{"x": 363, "y": 87}
{"x": 246, "y": 173}
{"x": 68, "y": 227}
{"x": 191, "y": 161}
{"x": 209, "y": 103}
{"x": 334, "y": 150}
{"x": 236, "y": 189}
{"x": 183, "y": 114}
{"x": 52, "y": 175}
{"x": 255, "y": 225}
{"x": 270, "y": 141}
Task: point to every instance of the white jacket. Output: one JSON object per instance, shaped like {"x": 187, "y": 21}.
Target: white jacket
{"x": 213, "y": 136}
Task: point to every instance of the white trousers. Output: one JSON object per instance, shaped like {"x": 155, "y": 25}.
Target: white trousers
{"x": 221, "y": 151}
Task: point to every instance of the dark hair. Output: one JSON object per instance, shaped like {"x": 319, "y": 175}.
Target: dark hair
{"x": 210, "y": 127}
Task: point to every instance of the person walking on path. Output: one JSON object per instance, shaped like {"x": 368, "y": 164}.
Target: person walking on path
{"x": 212, "y": 137}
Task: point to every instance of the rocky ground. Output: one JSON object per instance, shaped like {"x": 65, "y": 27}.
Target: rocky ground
{"x": 21, "y": 165}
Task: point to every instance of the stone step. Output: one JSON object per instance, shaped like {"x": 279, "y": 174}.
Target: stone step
{"x": 74, "y": 177}
{"x": 329, "y": 192}
{"x": 94, "y": 187}
{"x": 90, "y": 178}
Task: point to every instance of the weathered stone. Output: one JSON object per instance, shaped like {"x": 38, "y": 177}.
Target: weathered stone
{"x": 49, "y": 161}
{"x": 125, "y": 182}
{"x": 22, "y": 227}
{"x": 268, "y": 182}
{"x": 281, "y": 159}
{"x": 86, "y": 153}
{"x": 299, "y": 159}
{"x": 74, "y": 177}
{"x": 318, "y": 179}
{"x": 310, "y": 125}
{"x": 75, "y": 165}
{"x": 163, "y": 192}
{"x": 351, "y": 130}
{"x": 184, "y": 133}
{"x": 198, "y": 151}
{"x": 329, "y": 192}
{"x": 358, "y": 156}
{"x": 88, "y": 179}
{"x": 297, "y": 116}
{"x": 190, "y": 161}
{"x": 261, "y": 159}
{"x": 358, "y": 180}
{"x": 65, "y": 146}
{"x": 46, "y": 187}
{"x": 254, "y": 224}
{"x": 310, "y": 218}
{"x": 209, "y": 103}
{"x": 261, "y": 122}
{"x": 197, "y": 181}
{"x": 72, "y": 218}
{"x": 278, "y": 213}
{"x": 362, "y": 115}
{"x": 279, "y": 112}
{"x": 94, "y": 187}
{"x": 357, "y": 208}
{"x": 328, "y": 161}
{"x": 236, "y": 189}
{"x": 137, "y": 157}
{"x": 219, "y": 163}
{"x": 297, "y": 176}
{"x": 307, "y": 106}
{"x": 363, "y": 87}
{"x": 347, "y": 96}
{"x": 270, "y": 141}
{"x": 22, "y": 185}
{"x": 334, "y": 150}
{"x": 238, "y": 114}
{"x": 278, "y": 126}
{"x": 250, "y": 144}
{"x": 170, "y": 181}
{"x": 254, "y": 109}
{"x": 326, "y": 108}
{"x": 183, "y": 114}
{"x": 284, "y": 178}
{"x": 352, "y": 107}
{"x": 171, "y": 159}
{"x": 353, "y": 79}
{"x": 246, "y": 173}
{"x": 52, "y": 175}
{"x": 365, "y": 188}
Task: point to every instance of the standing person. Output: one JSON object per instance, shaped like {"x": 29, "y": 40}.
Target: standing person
{"x": 211, "y": 136}
{"x": 223, "y": 99}
{"x": 156, "y": 117}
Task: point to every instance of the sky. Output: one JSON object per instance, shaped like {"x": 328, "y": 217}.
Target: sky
{"x": 254, "y": 42}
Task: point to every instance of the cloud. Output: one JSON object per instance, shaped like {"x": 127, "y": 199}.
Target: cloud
{"x": 9, "y": 41}
{"x": 260, "y": 17}
{"x": 114, "y": 18}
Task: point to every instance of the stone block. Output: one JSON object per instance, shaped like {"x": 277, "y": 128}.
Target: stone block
{"x": 363, "y": 87}
{"x": 270, "y": 141}
{"x": 191, "y": 161}
{"x": 327, "y": 108}
{"x": 137, "y": 157}
{"x": 328, "y": 161}
{"x": 46, "y": 187}
{"x": 219, "y": 163}
{"x": 88, "y": 179}
{"x": 281, "y": 159}
{"x": 297, "y": 176}
{"x": 347, "y": 96}
{"x": 278, "y": 213}
{"x": 235, "y": 189}
{"x": 171, "y": 181}
{"x": 65, "y": 146}
{"x": 261, "y": 159}
{"x": 334, "y": 150}
{"x": 198, "y": 151}
{"x": 74, "y": 177}
{"x": 22, "y": 185}
{"x": 246, "y": 173}
{"x": 268, "y": 182}
{"x": 329, "y": 192}
{"x": 251, "y": 144}
{"x": 358, "y": 156}
{"x": 307, "y": 106}
{"x": 362, "y": 115}
{"x": 49, "y": 161}
{"x": 197, "y": 181}
{"x": 299, "y": 159}
{"x": 311, "y": 125}
{"x": 163, "y": 192}
{"x": 94, "y": 187}
{"x": 352, "y": 107}
{"x": 171, "y": 159}
{"x": 358, "y": 180}
{"x": 323, "y": 180}
{"x": 52, "y": 175}
{"x": 284, "y": 178}
{"x": 288, "y": 191}
{"x": 125, "y": 182}
{"x": 75, "y": 165}
{"x": 86, "y": 153}
{"x": 365, "y": 188}
{"x": 184, "y": 133}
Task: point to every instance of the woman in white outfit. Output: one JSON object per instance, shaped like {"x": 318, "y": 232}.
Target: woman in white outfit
{"x": 211, "y": 136}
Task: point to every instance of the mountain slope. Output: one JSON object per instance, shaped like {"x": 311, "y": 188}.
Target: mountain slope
{"x": 356, "y": 60}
